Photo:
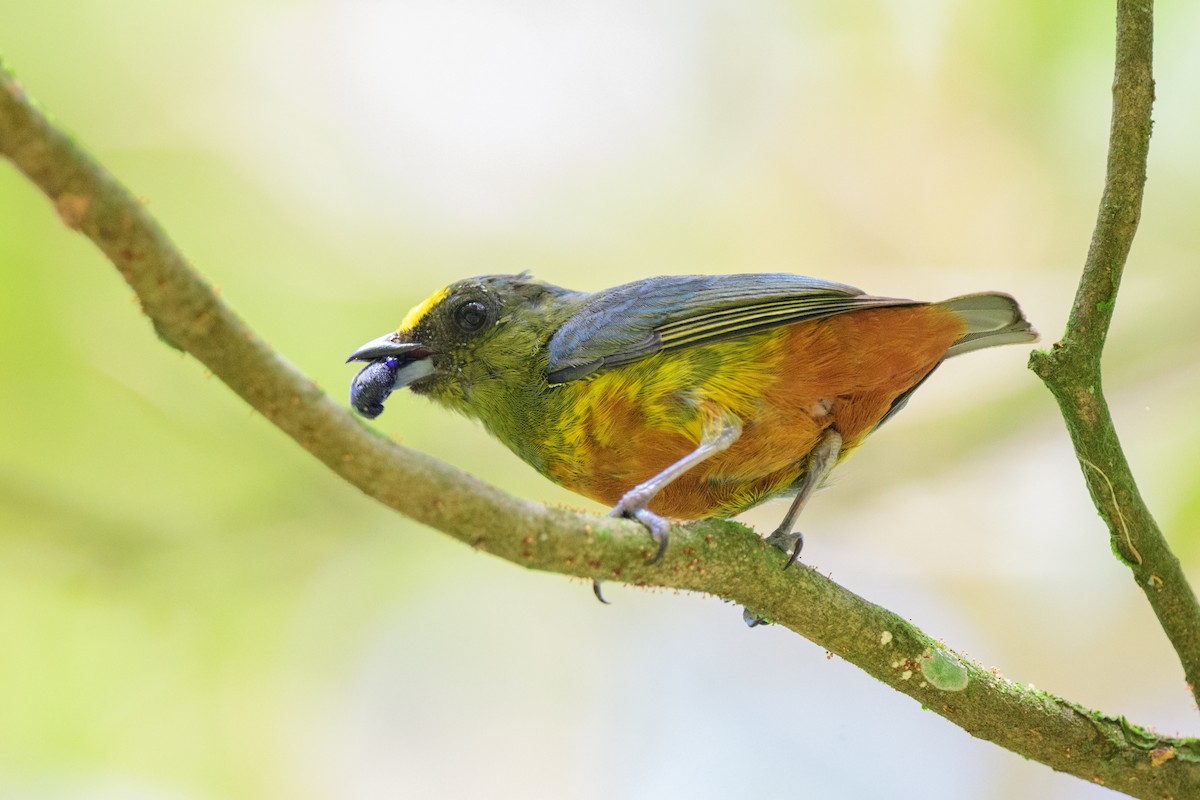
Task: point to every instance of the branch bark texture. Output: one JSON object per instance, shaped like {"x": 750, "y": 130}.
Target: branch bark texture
{"x": 720, "y": 558}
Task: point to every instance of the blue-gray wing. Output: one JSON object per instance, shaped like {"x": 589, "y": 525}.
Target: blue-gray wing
{"x": 621, "y": 325}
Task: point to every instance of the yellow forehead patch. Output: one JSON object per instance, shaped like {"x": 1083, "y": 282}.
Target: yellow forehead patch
{"x": 422, "y": 308}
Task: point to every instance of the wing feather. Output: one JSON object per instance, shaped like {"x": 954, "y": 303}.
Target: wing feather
{"x": 628, "y": 323}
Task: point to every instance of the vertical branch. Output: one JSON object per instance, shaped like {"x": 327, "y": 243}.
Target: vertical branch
{"x": 1124, "y": 183}
{"x": 1071, "y": 369}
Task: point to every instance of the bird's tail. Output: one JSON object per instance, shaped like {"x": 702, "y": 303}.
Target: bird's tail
{"x": 993, "y": 318}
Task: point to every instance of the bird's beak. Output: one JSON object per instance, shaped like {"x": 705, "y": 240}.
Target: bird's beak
{"x": 391, "y": 364}
{"x": 384, "y": 347}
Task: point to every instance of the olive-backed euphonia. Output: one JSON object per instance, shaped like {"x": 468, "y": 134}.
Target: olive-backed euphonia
{"x": 684, "y": 396}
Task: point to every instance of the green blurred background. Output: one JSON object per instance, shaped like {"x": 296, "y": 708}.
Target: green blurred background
{"x": 192, "y": 607}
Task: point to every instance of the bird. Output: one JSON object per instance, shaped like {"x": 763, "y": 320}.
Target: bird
{"x": 679, "y": 397}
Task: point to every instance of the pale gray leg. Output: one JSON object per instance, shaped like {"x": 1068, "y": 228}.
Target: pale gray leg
{"x": 716, "y": 439}
{"x": 633, "y": 503}
{"x": 821, "y": 462}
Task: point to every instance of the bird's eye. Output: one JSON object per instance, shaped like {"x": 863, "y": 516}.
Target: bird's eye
{"x": 471, "y": 316}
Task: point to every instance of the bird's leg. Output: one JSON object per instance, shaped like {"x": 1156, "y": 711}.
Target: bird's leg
{"x": 716, "y": 438}
{"x": 821, "y": 461}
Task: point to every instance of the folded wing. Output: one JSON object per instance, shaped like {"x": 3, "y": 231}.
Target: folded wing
{"x": 627, "y": 323}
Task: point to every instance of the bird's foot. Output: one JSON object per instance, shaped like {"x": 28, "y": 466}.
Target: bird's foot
{"x": 790, "y": 542}
{"x": 633, "y": 506}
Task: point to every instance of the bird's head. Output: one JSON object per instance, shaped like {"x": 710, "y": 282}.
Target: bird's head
{"x": 473, "y": 332}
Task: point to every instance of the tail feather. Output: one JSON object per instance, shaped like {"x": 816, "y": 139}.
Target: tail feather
{"x": 992, "y": 318}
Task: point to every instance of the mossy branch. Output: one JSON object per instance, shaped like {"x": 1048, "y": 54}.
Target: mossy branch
{"x": 1071, "y": 368}
{"x": 720, "y": 558}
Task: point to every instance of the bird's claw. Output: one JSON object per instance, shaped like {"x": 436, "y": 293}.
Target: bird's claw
{"x": 751, "y": 619}
{"x": 790, "y": 542}
{"x": 659, "y": 527}
{"x": 596, "y": 590}
{"x": 660, "y": 530}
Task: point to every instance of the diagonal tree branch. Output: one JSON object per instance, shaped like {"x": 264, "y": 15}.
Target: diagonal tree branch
{"x": 1071, "y": 369}
{"x": 720, "y": 558}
